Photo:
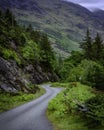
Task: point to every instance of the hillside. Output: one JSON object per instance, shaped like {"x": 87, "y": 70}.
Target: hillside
{"x": 26, "y": 56}
{"x": 64, "y": 22}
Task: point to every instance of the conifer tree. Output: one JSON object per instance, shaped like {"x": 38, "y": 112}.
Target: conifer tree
{"x": 46, "y": 50}
{"x": 97, "y": 47}
{"x": 29, "y": 28}
{"x": 87, "y": 45}
{"x": 10, "y": 19}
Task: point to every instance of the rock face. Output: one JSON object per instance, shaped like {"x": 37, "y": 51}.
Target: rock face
{"x": 38, "y": 75}
{"x": 14, "y": 78}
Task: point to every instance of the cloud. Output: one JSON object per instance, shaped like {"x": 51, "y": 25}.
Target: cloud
{"x": 90, "y": 4}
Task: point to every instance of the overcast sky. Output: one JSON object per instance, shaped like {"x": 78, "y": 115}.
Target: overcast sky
{"x": 90, "y": 4}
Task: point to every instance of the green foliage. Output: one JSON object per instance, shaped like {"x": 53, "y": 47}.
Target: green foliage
{"x": 75, "y": 58}
{"x": 31, "y": 51}
{"x": 64, "y": 106}
{"x": 93, "y": 49}
{"x": 75, "y": 92}
{"x": 10, "y": 54}
{"x": 75, "y": 74}
{"x": 9, "y": 101}
{"x": 23, "y": 38}
{"x": 58, "y": 84}
{"x": 70, "y": 69}
{"x": 87, "y": 72}
{"x": 93, "y": 74}
{"x": 95, "y": 115}
{"x": 98, "y": 48}
{"x": 87, "y": 45}
{"x": 65, "y": 70}
{"x": 29, "y": 28}
{"x": 87, "y": 68}
{"x": 24, "y": 45}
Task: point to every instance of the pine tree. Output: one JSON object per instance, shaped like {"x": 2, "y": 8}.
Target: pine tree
{"x": 86, "y": 45}
{"x": 35, "y": 35}
{"x": 29, "y": 28}
{"x": 10, "y": 19}
{"x": 98, "y": 47}
{"x": 47, "y": 52}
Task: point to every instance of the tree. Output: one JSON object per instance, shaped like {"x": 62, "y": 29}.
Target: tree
{"x": 35, "y": 35}
{"x": 47, "y": 54}
{"x": 98, "y": 48}
{"x": 10, "y": 19}
{"x": 75, "y": 58}
{"x": 65, "y": 70}
{"x": 86, "y": 45}
{"x": 29, "y": 28}
{"x": 93, "y": 74}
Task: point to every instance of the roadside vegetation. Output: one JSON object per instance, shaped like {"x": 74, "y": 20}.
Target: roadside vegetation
{"x": 80, "y": 106}
{"x": 11, "y": 100}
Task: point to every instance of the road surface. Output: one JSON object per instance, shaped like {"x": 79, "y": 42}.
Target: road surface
{"x": 30, "y": 116}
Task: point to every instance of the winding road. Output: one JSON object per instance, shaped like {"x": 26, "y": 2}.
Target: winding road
{"x": 30, "y": 116}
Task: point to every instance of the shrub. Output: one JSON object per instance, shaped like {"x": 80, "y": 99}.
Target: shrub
{"x": 75, "y": 74}
{"x": 66, "y": 101}
{"x": 95, "y": 114}
{"x": 93, "y": 74}
{"x": 65, "y": 70}
{"x": 10, "y": 54}
{"x": 31, "y": 51}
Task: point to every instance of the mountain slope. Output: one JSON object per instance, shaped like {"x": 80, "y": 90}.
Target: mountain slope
{"x": 64, "y": 22}
{"x": 100, "y": 15}
{"x": 26, "y": 57}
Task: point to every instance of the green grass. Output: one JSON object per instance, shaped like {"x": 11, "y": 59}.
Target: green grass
{"x": 72, "y": 122}
{"x": 57, "y": 84}
{"x": 8, "y": 101}
{"x": 62, "y": 110}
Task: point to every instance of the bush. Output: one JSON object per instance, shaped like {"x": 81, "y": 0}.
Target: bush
{"x": 75, "y": 74}
{"x": 95, "y": 114}
{"x": 63, "y": 109}
{"x": 31, "y": 51}
{"x": 10, "y": 54}
{"x": 65, "y": 70}
{"x": 66, "y": 101}
{"x": 93, "y": 74}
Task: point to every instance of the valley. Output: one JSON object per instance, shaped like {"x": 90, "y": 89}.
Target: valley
{"x": 64, "y": 22}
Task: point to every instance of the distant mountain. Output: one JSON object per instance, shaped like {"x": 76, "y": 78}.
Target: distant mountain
{"x": 65, "y": 22}
{"x": 100, "y": 15}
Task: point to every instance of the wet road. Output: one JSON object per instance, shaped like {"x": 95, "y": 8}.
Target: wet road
{"x": 30, "y": 116}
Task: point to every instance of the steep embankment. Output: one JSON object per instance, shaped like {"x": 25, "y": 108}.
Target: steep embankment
{"x": 26, "y": 57}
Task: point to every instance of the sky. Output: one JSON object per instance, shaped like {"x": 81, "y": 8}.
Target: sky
{"x": 90, "y": 4}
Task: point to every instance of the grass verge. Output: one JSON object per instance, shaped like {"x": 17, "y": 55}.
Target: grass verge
{"x": 63, "y": 111}
{"x": 58, "y": 84}
{"x": 8, "y": 101}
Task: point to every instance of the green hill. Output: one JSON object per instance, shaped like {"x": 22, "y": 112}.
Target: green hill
{"x": 64, "y": 22}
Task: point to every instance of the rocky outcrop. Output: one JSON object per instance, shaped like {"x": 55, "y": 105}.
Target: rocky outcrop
{"x": 10, "y": 78}
{"x": 14, "y": 78}
{"x": 38, "y": 74}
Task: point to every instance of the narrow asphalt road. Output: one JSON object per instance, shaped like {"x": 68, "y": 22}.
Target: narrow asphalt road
{"x": 30, "y": 116}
